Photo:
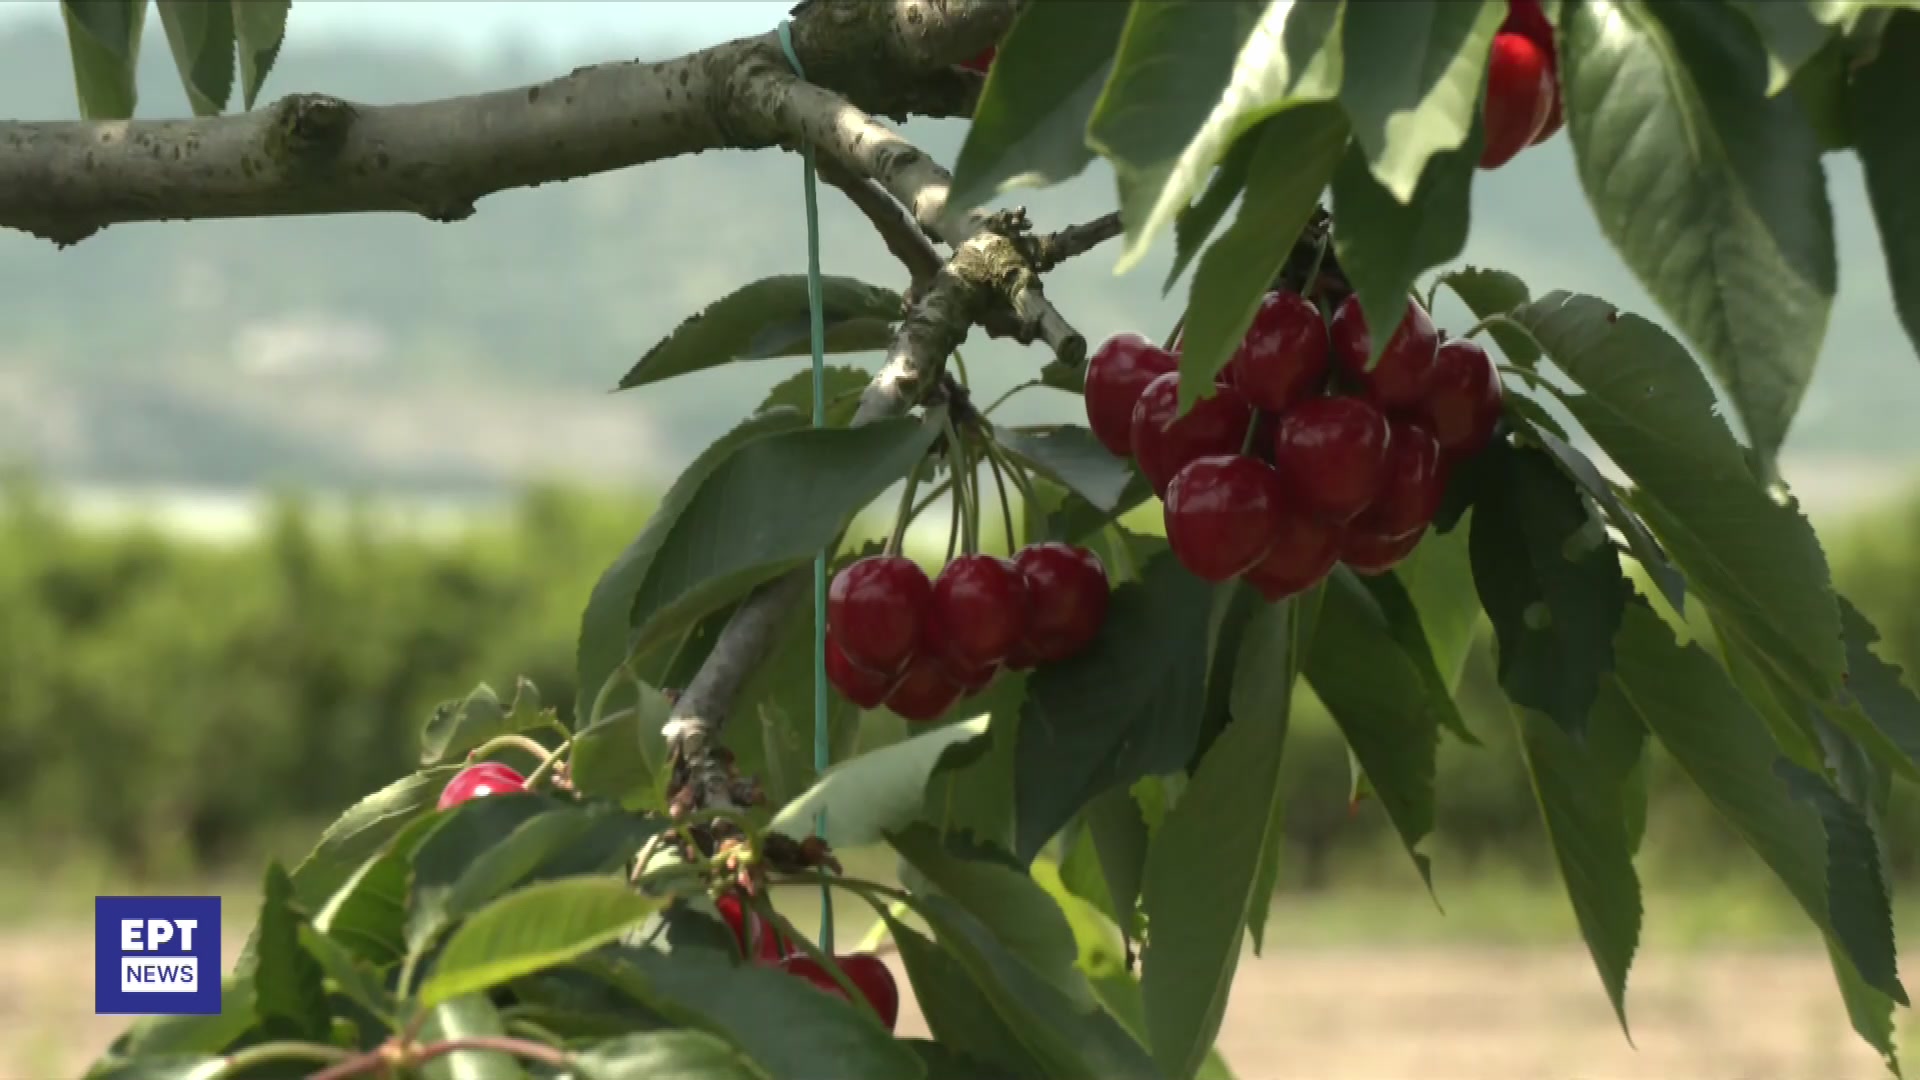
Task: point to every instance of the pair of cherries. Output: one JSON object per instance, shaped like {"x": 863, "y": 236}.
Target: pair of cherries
{"x": 1301, "y": 458}
{"x": 767, "y": 947}
{"x": 918, "y": 646}
{"x": 1522, "y": 107}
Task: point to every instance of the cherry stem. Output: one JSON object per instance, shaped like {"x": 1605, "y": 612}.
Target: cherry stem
{"x": 1313, "y": 270}
{"x": 1000, "y": 485}
{"x": 1019, "y": 479}
{"x": 930, "y": 498}
{"x": 521, "y": 742}
{"x": 961, "y": 363}
{"x": 546, "y": 767}
{"x": 1179, "y": 324}
{"x": 965, "y": 488}
{"x": 953, "y": 519}
{"x": 1002, "y": 399}
{"x": 1246, "y": 441}
{"x": 1499, "y": 319}
{"x": 904, "y": 517}
{"x": 764, "y": 907}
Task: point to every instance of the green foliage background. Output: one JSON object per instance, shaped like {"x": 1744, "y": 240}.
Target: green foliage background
{"x": 176, "y": 706}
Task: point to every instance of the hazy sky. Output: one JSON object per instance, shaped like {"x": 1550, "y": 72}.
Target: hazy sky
{"x": 477, "y": 27}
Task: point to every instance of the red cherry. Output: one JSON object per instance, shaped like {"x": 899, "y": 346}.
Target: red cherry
{"x": 979, "y": 611}
{"x": 481, "y": 779}
{"x": 982, "y": 62}
{"x": 1463, "y": 404}
{"x": 1372, "y": 553}
{"x": 1222, "y": 514}
{"x": 1405, "y": 369}
{"x": 734, "y": 914}
{"x": 1304, "y": 549}
{"x": 1283, "y": 357}
{"x": 1164, "y": 445}
{"x": 1526, "y": 18}
{"x": 869, "y": 975}
{"x": 865, "y": 971}
{"x": 1332, "y": 454}
{"x": 1520, "y": 93}
{"x": 1411, "y": 493}
{"x": 856, "y": 684}
{"x": 1116, "y": 374}
{"x": 876, "y": 608}
{"x": 1068, "y": 589}
{"x": 973, "y": 680}
{"x": 925, "y": 692}
{"x": 750, "y": 932}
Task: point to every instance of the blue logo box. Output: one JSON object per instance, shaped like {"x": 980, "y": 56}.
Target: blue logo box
{"x": 156, "y": 955}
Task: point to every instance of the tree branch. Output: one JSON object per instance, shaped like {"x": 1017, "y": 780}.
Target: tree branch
{"x": 903, "y": 236}
{"x": 313, "y": 154}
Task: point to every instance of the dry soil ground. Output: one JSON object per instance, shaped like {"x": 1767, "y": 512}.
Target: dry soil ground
{"x": 1349, "y": 1013}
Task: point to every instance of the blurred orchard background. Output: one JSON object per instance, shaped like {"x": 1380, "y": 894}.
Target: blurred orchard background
{"x": 273, "y": 489}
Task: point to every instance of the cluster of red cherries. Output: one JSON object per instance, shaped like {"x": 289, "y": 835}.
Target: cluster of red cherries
{"x": 917, "y": 646}
{"x": 1301, "y": 458}
{"x": 1522, "y": 106}
{"x": 765, "y": 946}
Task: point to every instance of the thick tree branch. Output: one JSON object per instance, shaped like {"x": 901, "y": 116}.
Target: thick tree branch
{"x": 313, "y": 154}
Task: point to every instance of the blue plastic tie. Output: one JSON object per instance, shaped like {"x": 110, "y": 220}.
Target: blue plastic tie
{"x": 816, "y": 319}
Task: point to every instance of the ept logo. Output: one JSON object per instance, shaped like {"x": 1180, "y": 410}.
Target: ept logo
{"x": 156, "y": 955}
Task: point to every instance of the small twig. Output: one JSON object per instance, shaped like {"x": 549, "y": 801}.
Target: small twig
{"x": 903, "y": 236}
{"x": 1049, "y": 251}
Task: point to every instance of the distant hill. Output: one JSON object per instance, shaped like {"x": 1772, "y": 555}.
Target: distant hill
{"x": 383, "y": 352}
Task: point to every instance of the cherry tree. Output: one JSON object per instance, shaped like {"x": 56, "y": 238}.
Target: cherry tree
{"x": 1085, "y": 805}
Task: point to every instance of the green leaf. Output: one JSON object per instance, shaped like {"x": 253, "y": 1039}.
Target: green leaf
{"x": 783, "y": 1025}
{"x": 1382, "y": 704}
{"x": 1070, "y": 456}
{"x": 466, "y": 1017}
{"x": 1174, "y": 63}
{"x": 1754, "y": 561}
{"x": 1880, "y": 688}
{"x": 1290, "y": 168}
{"x": 358, "y": 980}
{"x": 1291, "y": 57}
{"x": 1582, "y": 789}
{"x": 201, "y": 34}
{"x": 1126, "y": 707}
{"x": 1029, "y": 127}
{"x": 875, "y": 793}
{"x": 1857, "y": 897}
{"x": 363, "y": 830}
{"x": 288, "y": 994}
{"x": 1425, "y": 63}
{"x": 1438, "y": 580}
{"x": 1222, "y": 832}
{"x": 1404, "y": 625}
{"x": 1495, "y": 292}
{"x": 1646, "y": 550}
{"x": 104, "y": 38}
{"x": 665, "y": 1055}
{"x": 1883, "y": 133}
{"x": 464, "y": 835}
{"x": 1068, "y": 1040}
{"x": 1792, "y": 32}
{"x": 1711, "y": 191}
{"x": 367, "y": 913}
{"x": 959, "y": 1014}
{"x": 1386, "y": 241}
{"x": 1551, "y": 583}
{"x": 622, "y": 757}
{"x": 460, "y": 725}
{"x": 259, "y": 26}
{"x": 1119, "y": 835}
{"x": 772, "y": 739}
{"x": 539, "y": 926}
{"x": 156, "y": 1037}
{"x": 770, "y": 318}
{"x": 1006, "y": 900}
{"x": 1715, "y": 737}
{"x": 842, "y": 388}
{"x": 1196, "y": 223}
{"x": 970, "y": 791}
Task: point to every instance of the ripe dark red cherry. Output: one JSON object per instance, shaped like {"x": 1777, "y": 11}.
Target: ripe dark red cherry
{"x": 1304, "y": 549}
{"x": 979, "y": 611}
{"x": 862, "y": 687}
{"x": 1524, "y": 17}
{"x": 1067, "y": 592}
{"x": 971, "y": 680}
{"x": 1371, "y": 553}
{"x": 479, "y": 780}
{"x": 1520, "y": 93}
{"x": 1415, "y": 482}
{"x": 868, "y": 974}
{"x": 1463, "y": 404}
{"x": 1283, "y": 356}
{"x": 764, "y": 944}
{"x": 1163, "y": 445}
{"x": 1331, "y": 453}
{"x": 1116, "y": 374}
{"x": 925, "y": 692}
{"x": 1405, "y": 369}
{"x": 1223, "y": 512}
{"x": 876, "y": 608}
